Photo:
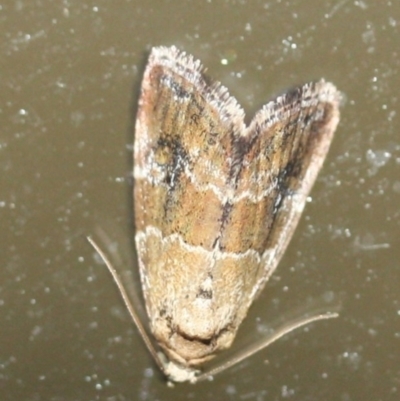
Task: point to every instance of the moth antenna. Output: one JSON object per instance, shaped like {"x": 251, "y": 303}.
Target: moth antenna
{"x": 128, "y": 304}
{"x": 263, "y": 343}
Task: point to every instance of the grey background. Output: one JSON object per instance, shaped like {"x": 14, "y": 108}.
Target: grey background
{"x": 70, "y": 75}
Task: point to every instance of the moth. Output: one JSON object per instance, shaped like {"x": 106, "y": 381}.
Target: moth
{"x": 216, "y": 203}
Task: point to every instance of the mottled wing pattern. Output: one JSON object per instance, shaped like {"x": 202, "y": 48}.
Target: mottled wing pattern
{"x": 183, "y": 161}
{"x": 280, "y": 155}
{"x": 215, "y": 202}
{"x": 182, "y": 146}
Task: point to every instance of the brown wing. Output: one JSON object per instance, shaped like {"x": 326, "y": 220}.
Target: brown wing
{"x": 279, "y": 157}
{"x": 183, "y": 145}
{"x": 215, "y": 202}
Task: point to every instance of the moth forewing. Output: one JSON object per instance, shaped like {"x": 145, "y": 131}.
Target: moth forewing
{"x": 291, "y": 137}
{"x": 216, "y": 204}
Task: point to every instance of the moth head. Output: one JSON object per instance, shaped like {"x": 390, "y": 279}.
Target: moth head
{"x": 190, "y": 347}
